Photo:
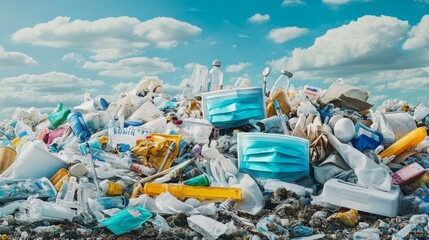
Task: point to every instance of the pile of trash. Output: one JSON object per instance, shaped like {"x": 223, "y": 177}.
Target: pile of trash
{"x": 218, "y": 162}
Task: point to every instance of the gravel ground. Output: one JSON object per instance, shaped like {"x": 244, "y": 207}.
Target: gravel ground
{"x": 289, "y": 209}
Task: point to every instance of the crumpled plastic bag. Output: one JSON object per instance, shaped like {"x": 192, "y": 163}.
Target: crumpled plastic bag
{"x": 126, "y": 220}
{"x": 368, "y": 172}
{"x": 252, "y": 199}
{"x": 310, "y": 127}
{"x": 329, "y": 168}
{"x": 209, "y": 228}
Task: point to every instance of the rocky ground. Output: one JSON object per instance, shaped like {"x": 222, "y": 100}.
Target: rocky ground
{"x": 285, "y": 208}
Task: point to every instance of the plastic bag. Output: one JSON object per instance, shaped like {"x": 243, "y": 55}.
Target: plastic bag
{"x": 127, "y": 220}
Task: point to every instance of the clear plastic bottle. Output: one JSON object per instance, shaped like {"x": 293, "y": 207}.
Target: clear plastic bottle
{"x": 200, "y": 79}
{"x": 216, "y": 77}
{"x": 85, "y": 191}
{"x": 282, "y": 83}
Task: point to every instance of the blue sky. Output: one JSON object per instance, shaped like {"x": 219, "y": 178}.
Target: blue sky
{"x": 55, "y": 51}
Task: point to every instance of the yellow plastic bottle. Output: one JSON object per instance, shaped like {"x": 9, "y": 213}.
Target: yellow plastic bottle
{"x": 198, "y": 192}
{"x": 408, "y": 141}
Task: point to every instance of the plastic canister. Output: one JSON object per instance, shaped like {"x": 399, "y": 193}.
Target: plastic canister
{"x": 7, "y": 156}
{"x": 410, "y": 140}
{"x": 111, "y": 188}
{"x": 79, "y": 127}
{"x": 59, "y": 177}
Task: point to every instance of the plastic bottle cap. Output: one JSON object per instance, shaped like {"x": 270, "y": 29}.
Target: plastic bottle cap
{"x": 216, "y": 63}
{"x": 284, "y": 72}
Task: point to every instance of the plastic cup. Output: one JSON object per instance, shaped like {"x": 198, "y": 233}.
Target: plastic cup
{"x": 201, "y": 180}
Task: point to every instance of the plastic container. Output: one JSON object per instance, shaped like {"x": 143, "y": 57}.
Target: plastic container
{"x": 216, "y": 77}
{"x": 369, "y": 200}
{"x": 11, "y": 190}
{"x": 113, "y": 202}
{"x": 202, "y": 193}
{"x": 312, "y": 92}
{"x": 111, "y": 188}
{"x": 58, "y": 118}
{"x": 410, "y": 140}
{"x": 58, "y": 179}
{"x": 79, "y": 127}
{"x": 34, "y": 162}
{"x": 366, "y": 138}
{"x": 282, "y": 83}
{"x": 407, "y": 174}
{"x": 7, "y": 156}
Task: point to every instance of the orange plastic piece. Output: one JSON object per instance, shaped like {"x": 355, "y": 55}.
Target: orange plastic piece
{"x": 59, "y": 177}
{"x": 406, "y": 142}
{"x": 198, "y": 192}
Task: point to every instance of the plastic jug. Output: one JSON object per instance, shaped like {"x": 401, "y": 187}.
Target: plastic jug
{"x": 410, "y": 140}
{"x": 183, "y": 191}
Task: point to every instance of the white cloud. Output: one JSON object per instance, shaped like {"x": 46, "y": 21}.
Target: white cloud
{"x": 190, "y": 66}
{"x": 419, "y": 35}
{"x": 108, "y": 38}
{"x": 259, "y": 18}
{"x": 123, "y": 87}
{"x": 45, "y": 90}
{"x": 281, "y": 35}
{"x": 14, "y": 59}
{"x": 73, "y": 57}
{"x": 131, "y": 67}
{"x": 278, "y": 64}
{"x": 291, "y": 3}
{"x": 370, "y": 42}
{"x": 237, "y": 67}
{"x": 422, "y": 1}
{"x": 366, "y": 53}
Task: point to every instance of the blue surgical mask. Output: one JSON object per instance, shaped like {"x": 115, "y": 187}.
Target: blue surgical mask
{"x": 233, "y": 108}
{"x": 276, "y": 156}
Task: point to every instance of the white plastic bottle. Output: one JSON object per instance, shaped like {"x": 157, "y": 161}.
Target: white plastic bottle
{"x": 282, "y": 83}
{"x": 216, "y": 77}
{"x": 22, "y": 130}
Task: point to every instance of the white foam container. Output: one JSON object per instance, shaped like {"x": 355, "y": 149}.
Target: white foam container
{"x": 369, "y": 200}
